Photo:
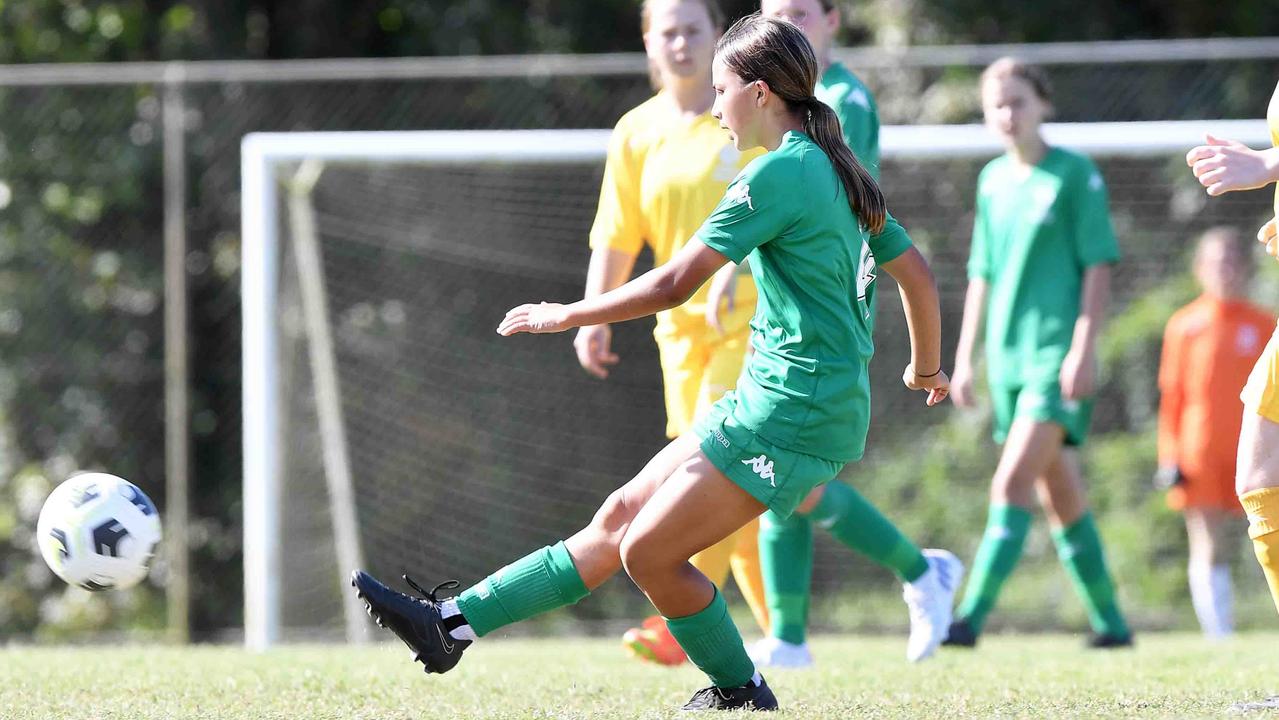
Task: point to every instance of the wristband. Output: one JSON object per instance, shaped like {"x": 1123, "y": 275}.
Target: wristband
{"x": 928, "y": 376}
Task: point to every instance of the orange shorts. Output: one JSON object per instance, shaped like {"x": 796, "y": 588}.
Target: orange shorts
{"x": 1205, "y": 492}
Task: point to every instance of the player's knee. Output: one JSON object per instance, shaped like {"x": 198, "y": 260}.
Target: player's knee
{"x": 1012, "y": 489}
{"x": 643, "y": 557}
{"x": 614, "y": 515}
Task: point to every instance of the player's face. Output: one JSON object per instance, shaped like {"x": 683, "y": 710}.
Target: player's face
{"x": 736, "y": 106}
{"x": 1013, "y": 111}
{"x": 680, "y": 40}
{"x": 818, "y": 25}
{"x": 1219, "y": 269}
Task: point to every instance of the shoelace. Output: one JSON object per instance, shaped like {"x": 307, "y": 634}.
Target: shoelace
{"x": 446, "y": 585}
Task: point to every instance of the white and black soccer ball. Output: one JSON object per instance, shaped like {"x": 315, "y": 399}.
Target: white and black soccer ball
{"x": 98, "y": 531}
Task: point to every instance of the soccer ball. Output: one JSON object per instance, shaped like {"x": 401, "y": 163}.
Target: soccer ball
{"x": 98, "y": 531}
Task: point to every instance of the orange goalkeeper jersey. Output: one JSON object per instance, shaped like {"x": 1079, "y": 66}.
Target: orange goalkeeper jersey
{"x": 1209, "y": 348}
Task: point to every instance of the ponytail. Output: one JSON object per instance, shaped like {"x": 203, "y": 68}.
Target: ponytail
{"x": 775, "y": 51}
{"x": 864, "y": 196}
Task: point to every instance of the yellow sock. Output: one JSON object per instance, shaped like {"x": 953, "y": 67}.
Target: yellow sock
{"x": 746, "y": 571}
{"x": 713, "y": 561}
{"x": 1262, "y": 507}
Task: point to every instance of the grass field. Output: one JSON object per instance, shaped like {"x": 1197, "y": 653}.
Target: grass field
{"x": 1010, "y": 676}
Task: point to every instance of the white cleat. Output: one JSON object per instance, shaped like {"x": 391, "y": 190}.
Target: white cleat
{"x": 774, "y": 653}
{"x": 931, "y": 600}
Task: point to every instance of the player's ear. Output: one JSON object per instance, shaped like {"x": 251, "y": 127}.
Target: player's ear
{"x": 762, "y": 91}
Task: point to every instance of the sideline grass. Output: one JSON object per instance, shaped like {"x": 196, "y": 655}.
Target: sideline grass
{"x": 1011, "y": 676}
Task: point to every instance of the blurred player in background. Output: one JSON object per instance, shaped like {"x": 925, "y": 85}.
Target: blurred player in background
{"x": 669, "y": 163}
{"x": 1209, "y": 348}
{"x": 801, "y": 409}
{"x": 930, "y": 578}
{"x": 1224, "y": 166}
{"x": 1039, "y": 273}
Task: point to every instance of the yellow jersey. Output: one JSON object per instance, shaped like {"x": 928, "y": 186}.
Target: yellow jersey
{"x": 663, "y": 177}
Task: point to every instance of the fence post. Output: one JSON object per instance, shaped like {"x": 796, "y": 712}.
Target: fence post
{"x": 176, "y": 371}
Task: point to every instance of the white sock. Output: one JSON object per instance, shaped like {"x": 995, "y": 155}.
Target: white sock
{"x": 448, "y": 609}
{"x": 757, "y": 679}
{"x": 1210, "y": 592}
{"x": 1223, "y": 598}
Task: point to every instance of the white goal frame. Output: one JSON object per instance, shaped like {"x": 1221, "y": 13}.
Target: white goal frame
{"x": 264, "y": 157}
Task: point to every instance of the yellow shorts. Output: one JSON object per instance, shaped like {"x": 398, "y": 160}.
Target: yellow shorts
{"x": 1261, "y": 394}
{"x": 697, "y": 369}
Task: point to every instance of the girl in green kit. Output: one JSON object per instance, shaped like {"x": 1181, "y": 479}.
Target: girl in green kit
{"x": 930, "y": 577}
{"x": 1039, "y": 272}
{"x": 801, "y": 212}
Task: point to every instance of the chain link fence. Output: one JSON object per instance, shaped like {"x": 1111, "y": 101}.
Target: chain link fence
{"x": 82, "y": 245}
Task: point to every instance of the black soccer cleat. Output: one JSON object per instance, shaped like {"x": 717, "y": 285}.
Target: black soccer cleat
{"x": 1108, "y": 641}
{"x": 747, "y": 697}
{"x": 415, "y": 620}
{"x": 960, "y": 635}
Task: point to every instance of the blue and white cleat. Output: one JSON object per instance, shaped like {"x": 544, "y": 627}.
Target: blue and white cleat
{"x": 931, "y": 599}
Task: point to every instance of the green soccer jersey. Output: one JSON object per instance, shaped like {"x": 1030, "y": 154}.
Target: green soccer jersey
{"x": 805, "y": 388}
{"x": 1034, "y": 235}
{"x": 852, "y": 101}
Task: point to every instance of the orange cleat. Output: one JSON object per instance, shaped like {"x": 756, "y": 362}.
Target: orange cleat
{"x": 653, "y": 643}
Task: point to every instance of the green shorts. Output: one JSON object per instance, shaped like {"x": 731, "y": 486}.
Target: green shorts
{"x": 777, "y": 477}
{"x": 1041, "y": 402}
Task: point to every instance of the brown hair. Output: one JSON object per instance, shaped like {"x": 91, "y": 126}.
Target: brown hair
{"x": 776, "y": 52}
{"x": 712, "y": 10}
{"x": 1006, "y": 67}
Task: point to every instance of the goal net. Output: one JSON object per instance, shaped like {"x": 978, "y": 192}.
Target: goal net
{"x": 386, "y": 423}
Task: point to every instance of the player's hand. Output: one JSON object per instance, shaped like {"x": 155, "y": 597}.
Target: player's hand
{"x": 1268, "y": 235}
{"x": 938, "y": 386}
{"x": 1077, "y": 376}
{"x": 723, "y": 287}
{"x": 540, "y": 318}
{"x": 961, "y": 386}
{"x": 593, "y": 345}
{"x": 1224, "y": 166}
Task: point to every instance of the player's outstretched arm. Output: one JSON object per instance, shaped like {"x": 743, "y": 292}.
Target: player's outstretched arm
{"x": 1224, "y": 166}
{"x": 923, "y": 319}
{"x": 661, "y": 288}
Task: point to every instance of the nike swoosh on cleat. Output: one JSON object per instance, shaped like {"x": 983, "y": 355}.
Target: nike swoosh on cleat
{"x": 444, "y": 640}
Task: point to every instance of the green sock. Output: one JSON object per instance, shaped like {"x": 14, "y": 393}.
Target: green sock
{"x": 786, "y": 562}
{"x": 853, "y": 521}
{"x": 1001, "y": 547}
{"x": 712, "y": 642}
{"x": 1079, "y": 547}
{"x": 540, "y": 581}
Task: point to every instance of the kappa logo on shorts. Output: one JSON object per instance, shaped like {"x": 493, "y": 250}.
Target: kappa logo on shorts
{"x": 719, "y": 436}
{"x": 763, "y": 467}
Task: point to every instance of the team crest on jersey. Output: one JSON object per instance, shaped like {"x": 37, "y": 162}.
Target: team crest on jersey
{"x": 1246, "y": 340}
{"x": 740, "y": 193}
{"x": 859, "y": 97}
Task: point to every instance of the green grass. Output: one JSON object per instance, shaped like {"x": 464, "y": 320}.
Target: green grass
{"x": 1168, "y": 675}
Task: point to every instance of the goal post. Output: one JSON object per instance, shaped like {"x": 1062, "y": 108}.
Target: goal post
{"x": 270, "y": 160}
